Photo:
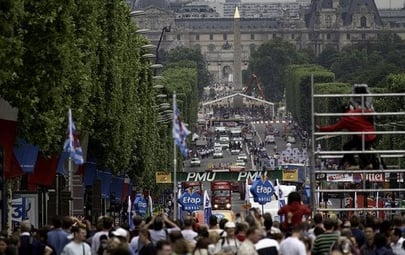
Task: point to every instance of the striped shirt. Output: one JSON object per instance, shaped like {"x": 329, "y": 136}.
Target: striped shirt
{"x": 323, "y": 243}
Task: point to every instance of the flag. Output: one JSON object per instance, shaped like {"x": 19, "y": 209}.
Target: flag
{"x": 72, "y": 144}
{"x": 180, "y": 132}
{"x": 150, "y": 204}
{"x": 129, "y": 212}
{"x": 207, "y": 207}
{"x": 281, "y": 200}
{"x": 247, "y": 196}
{"x": 179, "y": 208}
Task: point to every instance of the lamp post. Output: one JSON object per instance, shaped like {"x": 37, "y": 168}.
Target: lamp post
{"x": 164, "y": 30}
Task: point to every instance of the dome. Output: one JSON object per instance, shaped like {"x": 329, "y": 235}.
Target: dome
{"x": 142, "y": 4}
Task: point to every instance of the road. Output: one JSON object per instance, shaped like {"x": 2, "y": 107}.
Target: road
{"x": 237, "y": 203}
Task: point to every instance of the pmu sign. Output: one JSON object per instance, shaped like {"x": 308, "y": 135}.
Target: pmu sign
{"x": 212, "y": 176}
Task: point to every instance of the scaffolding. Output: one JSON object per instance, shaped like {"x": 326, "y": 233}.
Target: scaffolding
{"x": 374, "y": 187}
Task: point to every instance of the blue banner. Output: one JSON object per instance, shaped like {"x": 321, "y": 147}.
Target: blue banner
{"x": 105, "y": 178}
{"x": 90, "y": 173}
{"x": 262, "y": 191}
{"x": 116, "y": 187}
{"x": 140, "y": 205}
{"x": 26, "y": 155}
{"x": 63, "y": 164}
{"x": 190, "y": 202}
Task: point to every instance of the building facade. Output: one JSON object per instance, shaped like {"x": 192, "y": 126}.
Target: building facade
{"x": 315, "y": 26}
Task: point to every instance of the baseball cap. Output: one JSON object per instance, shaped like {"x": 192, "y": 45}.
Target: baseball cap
{"x": 230, "y": 224}
{"x": 120, "y": 232}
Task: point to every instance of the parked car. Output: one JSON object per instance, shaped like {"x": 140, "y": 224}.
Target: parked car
{"x": 195, "y": 162}
{"x": 270, "y": 139}
{"x": 290, "y": 139}
{"x": 235, "y": 151}
{"x": 218, "y": 154}
{"x": 243, "y": 156}
{"x": 240, "y": 162}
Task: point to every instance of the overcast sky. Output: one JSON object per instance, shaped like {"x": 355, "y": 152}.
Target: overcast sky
{"x": 386, "y": 3}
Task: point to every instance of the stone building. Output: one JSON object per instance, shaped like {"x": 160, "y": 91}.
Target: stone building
{"x": 315, "y": 26}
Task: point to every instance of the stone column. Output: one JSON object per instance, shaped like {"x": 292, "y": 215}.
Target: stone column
{"x": 237, "y": 62}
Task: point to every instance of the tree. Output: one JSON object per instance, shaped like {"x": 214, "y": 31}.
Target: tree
{"x": 183, "y": 56}
{"x": 269, "y": 63}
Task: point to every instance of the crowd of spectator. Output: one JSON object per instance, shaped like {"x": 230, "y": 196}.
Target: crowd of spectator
{"x": 254, "y": 234}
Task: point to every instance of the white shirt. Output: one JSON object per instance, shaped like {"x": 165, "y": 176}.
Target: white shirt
{"x": 134, "y": 245}
{"x": 74, "y": 248}
{"x": 227, "y": 244}
{"x": 292, "y": 246}
{"x": 267, "y": 242}
{"x": 247, "y": 248}
{"x": 157, "y": 235}
{"x": 189, "y": 235}
{"x": 95, "y": 241}
{"x": 397, "y": 247}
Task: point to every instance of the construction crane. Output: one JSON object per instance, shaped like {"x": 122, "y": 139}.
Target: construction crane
{"x": 249, "y": 89}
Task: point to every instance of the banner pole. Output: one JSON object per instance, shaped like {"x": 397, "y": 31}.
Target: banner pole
{"x": 174, "y": 162}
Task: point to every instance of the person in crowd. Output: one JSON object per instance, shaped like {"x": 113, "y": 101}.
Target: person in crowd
{"x": 58, "y": 236}
{"x": 399, "y": 222}
{"x": 5, "y": 249}
{"x": 213, "y": 224}
{"x": 368, "y": 248}
{"x": 356, "y": 231}
{"x": 293, "y": 211}
{"x": 241, "y": 229}
{"x": 135, "y": 245}
{"x": 77, "y": 246}
{"x": 39, "y": 243}
{"x": 381, "y": 245}
{"x": 324, "y": 241}
{"x": 344, "y": 245}
{"x": 293, "y": 245}
{"x": 267, "y": 245}
{"x": 120, "y": 237}
{"x": 163, "y": 247}
{"x": 145, "y": 239}
{"x": 107, "y": 224}
{"x": 354, "y": 123}
{"x": 25, "y": 238}
{"x": 318, "y": 222}
{"x": 179, "y": 244}
{"x": 228, "y": 244}
{"x": 253, "y": 235}
{"x": 160, "y": 227}
{"x": 188, "y": 233}
{"x": 397, "y": 242}
{"x": 201, "y": 247}
{"x": 213, "y": 238}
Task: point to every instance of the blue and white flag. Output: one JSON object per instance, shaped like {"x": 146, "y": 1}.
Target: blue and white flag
{"x": 129, "y": 212}
{"x": 72, "y": 144}
{"x": 179, "y": 207}
{"x": 281, "y": 200}
{"x": 180, "y": 132}
{"x": 207, "y": 207}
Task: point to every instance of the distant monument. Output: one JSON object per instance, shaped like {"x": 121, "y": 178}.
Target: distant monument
{"x": 237, "y": 52}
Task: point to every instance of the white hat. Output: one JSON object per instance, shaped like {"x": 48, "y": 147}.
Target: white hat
{"x": 120, "y": 232}
{"x": 230, "y": 224}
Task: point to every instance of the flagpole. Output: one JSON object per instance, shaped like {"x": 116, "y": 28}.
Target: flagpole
{"x": 70, "y": 177}
{"x": 174, "y": 162}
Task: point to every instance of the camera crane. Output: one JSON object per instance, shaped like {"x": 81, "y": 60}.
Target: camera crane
{"x": 250, "y": 90}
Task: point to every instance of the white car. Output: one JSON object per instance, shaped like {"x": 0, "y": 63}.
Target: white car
{"x": 240, "y": 162}
{"x": 235, "y": 151}
{"x": 218, "y": 154}
{"x": 195, "y": 162}
{"x": 270, "y": 139}
{"x": 290, "y": 139}
{"x": 243, "y": 156}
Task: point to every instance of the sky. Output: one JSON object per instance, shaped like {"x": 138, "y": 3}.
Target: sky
{"x": 387, "y": 3}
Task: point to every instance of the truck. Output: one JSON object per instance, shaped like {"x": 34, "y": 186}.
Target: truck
{"x": 221, "y": 195}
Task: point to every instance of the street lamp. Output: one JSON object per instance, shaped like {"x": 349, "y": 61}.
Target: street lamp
{"x": 137, "y": 13}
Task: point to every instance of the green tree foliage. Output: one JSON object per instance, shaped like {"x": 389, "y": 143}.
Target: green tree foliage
{"x": 269, "y": 63}
{"x": 10, "y": 42}
{"x": 298, "y": 90}
{"x": 83, "y": 55}
{"x": 183, "y": 56}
